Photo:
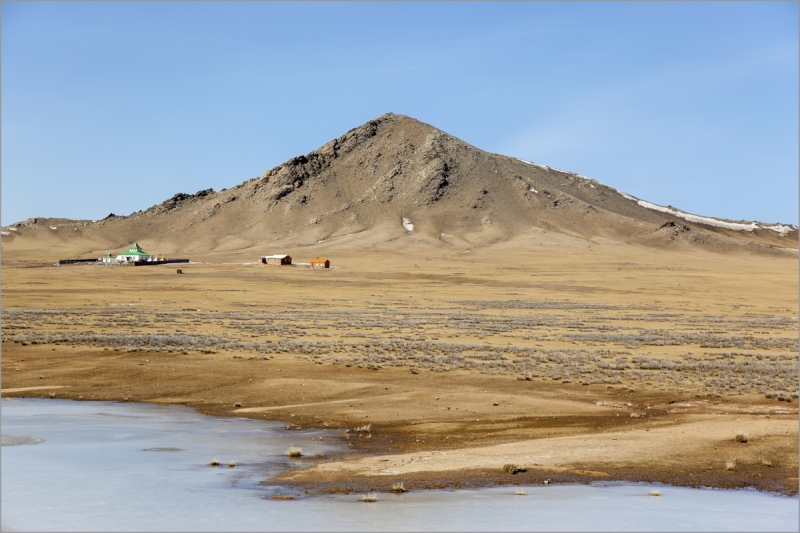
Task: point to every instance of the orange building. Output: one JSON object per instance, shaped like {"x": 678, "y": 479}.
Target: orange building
{"x": 320, "y": 262}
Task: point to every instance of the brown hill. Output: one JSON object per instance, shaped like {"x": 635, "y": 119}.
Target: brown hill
{"x": 392, "y": 178}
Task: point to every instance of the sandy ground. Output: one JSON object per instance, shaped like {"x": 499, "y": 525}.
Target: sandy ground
{"x": 313, "y": 351}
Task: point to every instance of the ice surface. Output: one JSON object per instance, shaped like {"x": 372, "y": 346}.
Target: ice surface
{"x": 100, "y": 469}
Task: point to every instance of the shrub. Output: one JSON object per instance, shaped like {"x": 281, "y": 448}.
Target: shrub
{"x": 398, "y": 487}
{"x": 511, "y": 468}
{"x": 741, "y": 437}
{"x": 294, "y": 451}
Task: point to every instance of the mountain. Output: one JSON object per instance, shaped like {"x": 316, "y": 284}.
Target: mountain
{"x": 396, "y": 178}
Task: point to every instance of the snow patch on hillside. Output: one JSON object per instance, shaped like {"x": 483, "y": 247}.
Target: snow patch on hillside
{"x": 407, "y": 224}
{"x": 782, "y": 229}
{"x": 700, "y": 220}
{"x": 534, "y": 164}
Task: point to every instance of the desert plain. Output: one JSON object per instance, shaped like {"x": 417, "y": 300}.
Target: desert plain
{"x": 540, "y": 358}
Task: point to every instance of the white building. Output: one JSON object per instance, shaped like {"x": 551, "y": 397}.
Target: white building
{"x": 134, "y": 253}
{"x": 276, "y": 259}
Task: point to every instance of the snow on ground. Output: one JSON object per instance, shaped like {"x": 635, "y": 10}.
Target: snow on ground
{"x": 698, "y": 219}
{"x": 534, "y": 164}
{"x": 783, "y": 229}
{"x": 407, "y": 224}
{"x": 53, "y": 227}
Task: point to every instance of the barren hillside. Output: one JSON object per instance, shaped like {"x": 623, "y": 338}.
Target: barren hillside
{"x": 393, "y": 178}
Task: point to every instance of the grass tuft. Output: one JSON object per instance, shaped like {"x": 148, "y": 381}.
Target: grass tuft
{"x": 370, "y": 498}
{"x": 741, "y": 437}
{"x": 214, "y": 461}
{"x": 730, "y": 464}
{"x": 398, "y": 487}
{"x": 231, "y": 464}
{"x": 655, "y": 492}
{"x": 520, "y": 493}
{"x": 294, "y": 451}
{"x": 511, "y": 468}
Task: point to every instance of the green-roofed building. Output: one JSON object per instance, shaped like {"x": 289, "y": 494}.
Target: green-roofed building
{"x": 134, "y": 253}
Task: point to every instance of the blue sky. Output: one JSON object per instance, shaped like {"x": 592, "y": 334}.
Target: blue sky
{"x": 114, "y": 107}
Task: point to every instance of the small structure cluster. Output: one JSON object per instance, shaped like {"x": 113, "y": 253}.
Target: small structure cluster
{"x": 283, "y": 259}
{"x": 132, "y": 254}
{"x": 137, "y": 256}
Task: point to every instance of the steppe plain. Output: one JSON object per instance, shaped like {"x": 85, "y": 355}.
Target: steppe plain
{"x": 561, "y": 358}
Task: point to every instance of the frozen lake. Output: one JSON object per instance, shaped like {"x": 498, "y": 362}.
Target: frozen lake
{"x": 103, "y": 466}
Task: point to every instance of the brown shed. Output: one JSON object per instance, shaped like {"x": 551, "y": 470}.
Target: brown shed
{"x": 276, "y": 259}
{"x": 320, "y": 262}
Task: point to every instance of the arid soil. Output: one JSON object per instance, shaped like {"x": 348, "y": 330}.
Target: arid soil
{"x": 571, "y": 359}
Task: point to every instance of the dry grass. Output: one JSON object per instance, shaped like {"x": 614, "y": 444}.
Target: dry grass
{"x": 766, "y": 462}
{"x": 294, "y": 451}
{"x": 519, "y": 492}
{"x": 231, "y": 464}
{"x": 655, "y": 492}
{"x": 214, "y": 461}
{"x": 730, "y": 464}
{"x": 511, "y": 468}
{"x": 398, "y": 487}
{"x": 370, "y": 498}
{"x": 759, "y": 353}
{"x": 282, "y": 497}
{"x": 741, "y": 437}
